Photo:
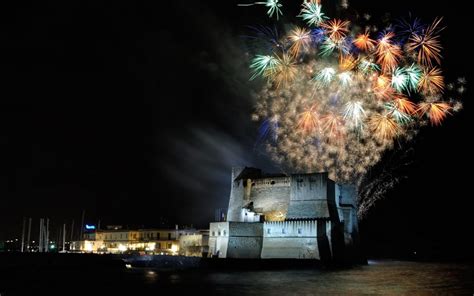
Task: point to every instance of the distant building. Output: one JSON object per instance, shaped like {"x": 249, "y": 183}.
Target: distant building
{"x": 194, "y": 244}
{"x": 118, "y": 240}
{"x": 304, "y": 216}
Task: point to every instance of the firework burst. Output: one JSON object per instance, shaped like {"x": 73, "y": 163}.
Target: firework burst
{"x": 312, "y": 14}
{"x": 337, "y": 29}
{"x": 337, "y": 99}
{"x": 427, "y": 44}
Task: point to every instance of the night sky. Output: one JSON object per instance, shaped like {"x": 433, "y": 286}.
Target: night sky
{"x": 136, "y": 111}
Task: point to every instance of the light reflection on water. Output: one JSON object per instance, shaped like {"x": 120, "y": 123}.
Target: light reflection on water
{"x": 379, "y": 277}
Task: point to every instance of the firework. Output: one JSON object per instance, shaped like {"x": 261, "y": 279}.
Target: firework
{"x": 431, "y": 81}
{"x": 363, "y": 42}
{"x": 427, "y": 44}
{"x": 308, "y": 121}
{"x": 345, "y": 78}
{"x": 333, "y": 126}
{"x": 347, "y": 62}
{"x": 384, "y": 126}
{"x": 263, "y": 65}
{"x": 285, "y": 71}
{"x": 300, "y": 39}
{"x": 273, "y": 7}
{"x": 337, "y": 29}
{"x": 399, "y": 80}
{"x": 312, "y": 14}
{"x": 354, "y": 114}
{"x": 413, "y": 73}
{"x": 338, "y": 99}
{"x": 367, "y": 66}
{"x": 325, "y": 76}
{"x": 436, "y": 112}
{"x": 328, "y": 46}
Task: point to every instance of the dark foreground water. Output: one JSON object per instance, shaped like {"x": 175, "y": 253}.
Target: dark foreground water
{"x": 379, "y": 277}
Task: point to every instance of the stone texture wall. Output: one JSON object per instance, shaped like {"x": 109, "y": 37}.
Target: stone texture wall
{"x": 236, "y": 239}
{"x": 308, "y": 196}
{"x": 290, "y": 239}
{"x": 218, "y": 239}
{"x": 236, "y": 196}
{"x": 270, "y": 196}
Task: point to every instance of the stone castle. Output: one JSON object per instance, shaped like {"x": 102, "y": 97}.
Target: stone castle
{"x": 301, "y": 216}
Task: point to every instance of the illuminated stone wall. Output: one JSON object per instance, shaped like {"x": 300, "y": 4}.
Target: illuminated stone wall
{"x": 295, "y": 239}
{"x": 235, "y": 239}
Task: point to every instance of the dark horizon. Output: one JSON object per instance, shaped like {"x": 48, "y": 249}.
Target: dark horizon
{"x": 137, "y": 112}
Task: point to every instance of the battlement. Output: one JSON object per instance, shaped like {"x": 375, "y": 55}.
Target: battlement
{"x": 271, "y": 182}
{"x": 289, "y": 229}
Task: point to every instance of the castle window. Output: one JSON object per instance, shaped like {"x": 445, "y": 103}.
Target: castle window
{"x": 269, "y": 231}
{"x": 283, "y": 230}
{"x": 272, "y": 182}
{"x": 225, "y": 233}
{"x": 219, "y": 233}
{"x": 299, "y": 180}
{"x": 213, "y": 233}
{"x": 253, "y": 184}
{"x": 299, "y": 231}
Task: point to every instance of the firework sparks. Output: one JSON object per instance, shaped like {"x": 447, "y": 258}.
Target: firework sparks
{"x": 399, "y": 80}
{"x": 273, "y": 7}
{"x": 354, "y": 114}
{"x": 285, "y": 71}
{"x": 308, "y": 121}
{"x": 363, "y": 42}
{"x": 325, "y": 76}
{"x": 300, "y": 39}
{"x": 312, "y": 14}
{"x": 263, "y": 65}
{"x": 427, "y": 44}
{"x": 341, "y": 98}
{"x": 337, "y": 29}
{"x": 431, "y": 81}
{"x": 436, "y": 112}
{"x": 384, "y": 126}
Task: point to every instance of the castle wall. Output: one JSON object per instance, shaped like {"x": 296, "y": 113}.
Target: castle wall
{"x": 237, "y": 192}
{"x": 347, "y": 208}
{"x": 218, "y": 239}
{"x": 309, "y": 196}
{"x": 271, "y": 197}
{"x": 235, "y": 239}
{"x": 290, "y": 239}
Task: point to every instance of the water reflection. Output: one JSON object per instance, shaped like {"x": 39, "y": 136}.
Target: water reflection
{"x": 379, "y": 277}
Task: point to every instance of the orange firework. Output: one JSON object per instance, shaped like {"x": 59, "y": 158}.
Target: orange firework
{"x": 300, "y": 39}
{"x": 436, "y": 112}
{"x": 308, "y": 121}
{"x": 363, "y": 42}
{"x": 333, "y": 126}
{"x": 347, "y": 62}
{"x": 389, "y": 58}
{"x": 383, "y": 126}
{"x": 404, "y": 105}
{"x": 431, "y": 81}
{"x": 388, "y": 54}
{"x": 427, "y": 45}
{"x": 382, "y": 88}
{"x": 337, "y": 29}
